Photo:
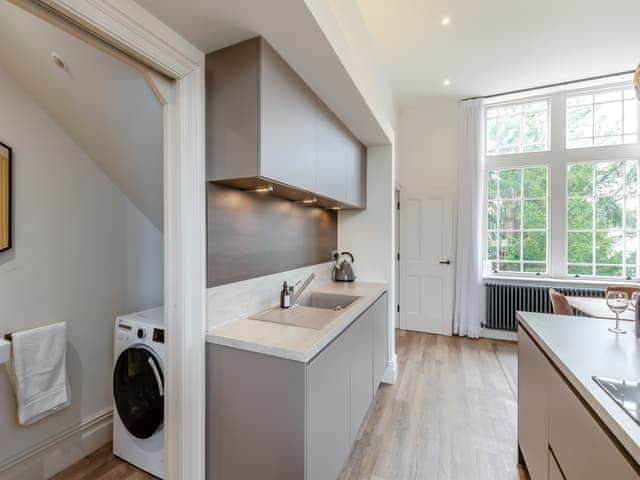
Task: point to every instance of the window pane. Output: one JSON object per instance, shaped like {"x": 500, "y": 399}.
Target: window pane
{"x": 510, "y": 183}
{"x": 631, "y": 272}
{"x": 580, "y": 122}
{"x": 492, "y": 246}
{"x": 535, "y": 214}
{"x": 610, "y": 178}
{"x": 608, "y": 213}
{"x": 631, "y": 249}
{"x": 631, "y": 213}
{"x": 631, "y": 179}
{"x": 535, "y": 128}
{"x": 535, "y": 182}
{"x": 609, "y": 270}
{"x": 580, "y": 143}
{"x": 534, "y": 246}
{"x": 580, "y": 100}
{"x": 517, "y": 128}
{"x": 510, "y": 246}
{"x": 579, "y": 270}
{"x": 608, "y": 119}
{"x": 492, "y": 185}
{"x": 509, "y": 267}
{"x": 510, "y": 215}
{"x": 631, "y": 116}
{"x": 609, "y": 247}
{"x": 580, "y": 247}
{"x": 580, "y": 180}
{"x": 580, "y": 214}
{"x": 535, "y": 267}
{"x": 607, "y": 96}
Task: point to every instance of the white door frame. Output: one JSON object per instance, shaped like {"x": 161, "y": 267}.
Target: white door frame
{"x": 128, "y": 27}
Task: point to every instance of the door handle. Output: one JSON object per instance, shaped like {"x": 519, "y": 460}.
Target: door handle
{"x": 445, "y": 262}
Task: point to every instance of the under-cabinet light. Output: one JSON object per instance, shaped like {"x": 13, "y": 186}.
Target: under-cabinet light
{"x": 308, "y": 200}
{"x": 267, "y": 189}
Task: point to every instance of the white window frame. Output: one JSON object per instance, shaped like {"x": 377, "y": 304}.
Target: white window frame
{"x": 595, "y": 91}
{"x": 522, "y": 230}
{"x": 556, "y": 159}
{"x": 518, "y": 102}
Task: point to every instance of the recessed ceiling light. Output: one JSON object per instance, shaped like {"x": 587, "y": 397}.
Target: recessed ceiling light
{"x": 446, "y": 82}
{"x": 445, "y": 21}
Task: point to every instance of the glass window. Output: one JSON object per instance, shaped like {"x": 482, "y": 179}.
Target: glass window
{"x": 607, "y": 117}
{"x": 517, "y": 220}
{"x": 602, "y": 219}
{"x": 517, "y": 128}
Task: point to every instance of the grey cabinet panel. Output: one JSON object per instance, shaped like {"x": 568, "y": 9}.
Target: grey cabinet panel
{"x": 356, "y": 173}
{"x": 328, "y": 388}
{"x": 360, "y": 341}
{"x": 554, "y": 469}
{"x": 380, "y": 339}
{"x": 232, "y": 87}
{"x": 330, "y": 155}
{"x": 533, "y": 376}
{"x": 255, "y": 416}
{"x": 287, "y": 124}
{"x": 583, "y": 449}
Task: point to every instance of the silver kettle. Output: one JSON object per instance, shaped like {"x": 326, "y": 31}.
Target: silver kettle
{"x": 342, "y": 270}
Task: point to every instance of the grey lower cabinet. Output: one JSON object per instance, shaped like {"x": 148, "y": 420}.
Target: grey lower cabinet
{"x": 270, "y": 418}
{"x": 266, "y": 127}
{"x": 558, "y": 436}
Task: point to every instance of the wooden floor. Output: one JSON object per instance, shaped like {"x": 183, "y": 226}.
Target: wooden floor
{"x": 450, "y": 416}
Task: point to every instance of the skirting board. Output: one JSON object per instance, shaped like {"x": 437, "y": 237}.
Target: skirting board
{"x": 57, "y": 452}
{"x": 499, "y": 334}
{"x": 391, "y": 373}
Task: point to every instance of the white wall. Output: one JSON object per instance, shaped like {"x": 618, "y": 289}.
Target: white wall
{"x": 83, "y": 253}
{"x": 369, "y": 234}
{"x": 428, "y": 145}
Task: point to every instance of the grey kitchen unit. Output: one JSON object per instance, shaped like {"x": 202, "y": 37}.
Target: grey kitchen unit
{"x": 271, "y": 418}
{"x": 266, "y": 128}
{"x": 559, "y": 436}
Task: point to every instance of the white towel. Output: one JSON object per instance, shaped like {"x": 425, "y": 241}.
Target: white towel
{"x": 38, "y": 372}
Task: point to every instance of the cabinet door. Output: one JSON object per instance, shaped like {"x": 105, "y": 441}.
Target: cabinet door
{"x": 584, "y": 451}
{"x": 330, "y": 155}
{"x": 328, "y": 408}
{"x": 359, "y": 338}
{"x": 287, "y": 124}
{"x": 356, "y": 175}
{"x": 380, "y": 339}
{"x": 554, "y": 469}
{"x": 533, "y": 378}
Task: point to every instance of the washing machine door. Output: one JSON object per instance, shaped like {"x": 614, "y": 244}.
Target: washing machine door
{"x": 138, "y": 390}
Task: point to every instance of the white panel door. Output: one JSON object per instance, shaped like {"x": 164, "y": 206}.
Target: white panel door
{"x": 426, "y": 263}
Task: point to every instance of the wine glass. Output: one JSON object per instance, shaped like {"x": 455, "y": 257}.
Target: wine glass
{"x": 617, "y": 302}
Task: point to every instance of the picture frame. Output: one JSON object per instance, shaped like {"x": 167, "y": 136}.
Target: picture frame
{"x": 5, "y": 197}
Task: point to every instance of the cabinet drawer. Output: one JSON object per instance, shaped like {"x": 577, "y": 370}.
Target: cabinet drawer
{"x": 582, "y": 447}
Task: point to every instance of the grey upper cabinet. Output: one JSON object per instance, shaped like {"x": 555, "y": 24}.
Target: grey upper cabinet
{"x": 266, "y": 127}
{"x": 287, "y": 124}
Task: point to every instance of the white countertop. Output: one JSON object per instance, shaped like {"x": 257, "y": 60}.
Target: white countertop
{"x": 292, "y": 342}
{"x": 582, "y": 347}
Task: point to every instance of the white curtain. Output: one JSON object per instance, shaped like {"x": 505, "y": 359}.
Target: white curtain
{"x": 469, "y": 308}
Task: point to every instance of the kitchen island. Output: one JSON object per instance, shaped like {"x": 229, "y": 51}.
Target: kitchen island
{"x": 568, "y": 426}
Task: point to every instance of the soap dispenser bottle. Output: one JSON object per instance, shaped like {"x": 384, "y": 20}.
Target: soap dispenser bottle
{"x": 285, "y": 296}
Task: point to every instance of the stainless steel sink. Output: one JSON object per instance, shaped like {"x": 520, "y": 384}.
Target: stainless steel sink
{"x": 327, "y": 301}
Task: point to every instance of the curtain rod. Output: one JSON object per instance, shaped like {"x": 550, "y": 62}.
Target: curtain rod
{"x": 551, "y": 85}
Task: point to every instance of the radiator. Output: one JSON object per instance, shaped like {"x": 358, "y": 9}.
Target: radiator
{"x": 504, "y": 300}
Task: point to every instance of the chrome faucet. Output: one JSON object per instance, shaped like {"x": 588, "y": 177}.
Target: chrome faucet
{"x": 296, "y": 292}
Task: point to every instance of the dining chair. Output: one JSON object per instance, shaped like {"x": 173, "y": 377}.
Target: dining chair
{"x": 628, "y": 289}
{"x": 559, "y": 303}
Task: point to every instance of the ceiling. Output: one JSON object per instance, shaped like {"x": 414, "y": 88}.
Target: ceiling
{"x": 104, "y": 105}
{"x": 494, "y": 46}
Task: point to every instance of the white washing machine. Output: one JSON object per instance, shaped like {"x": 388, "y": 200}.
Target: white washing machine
{"x": 138, "y": 390}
